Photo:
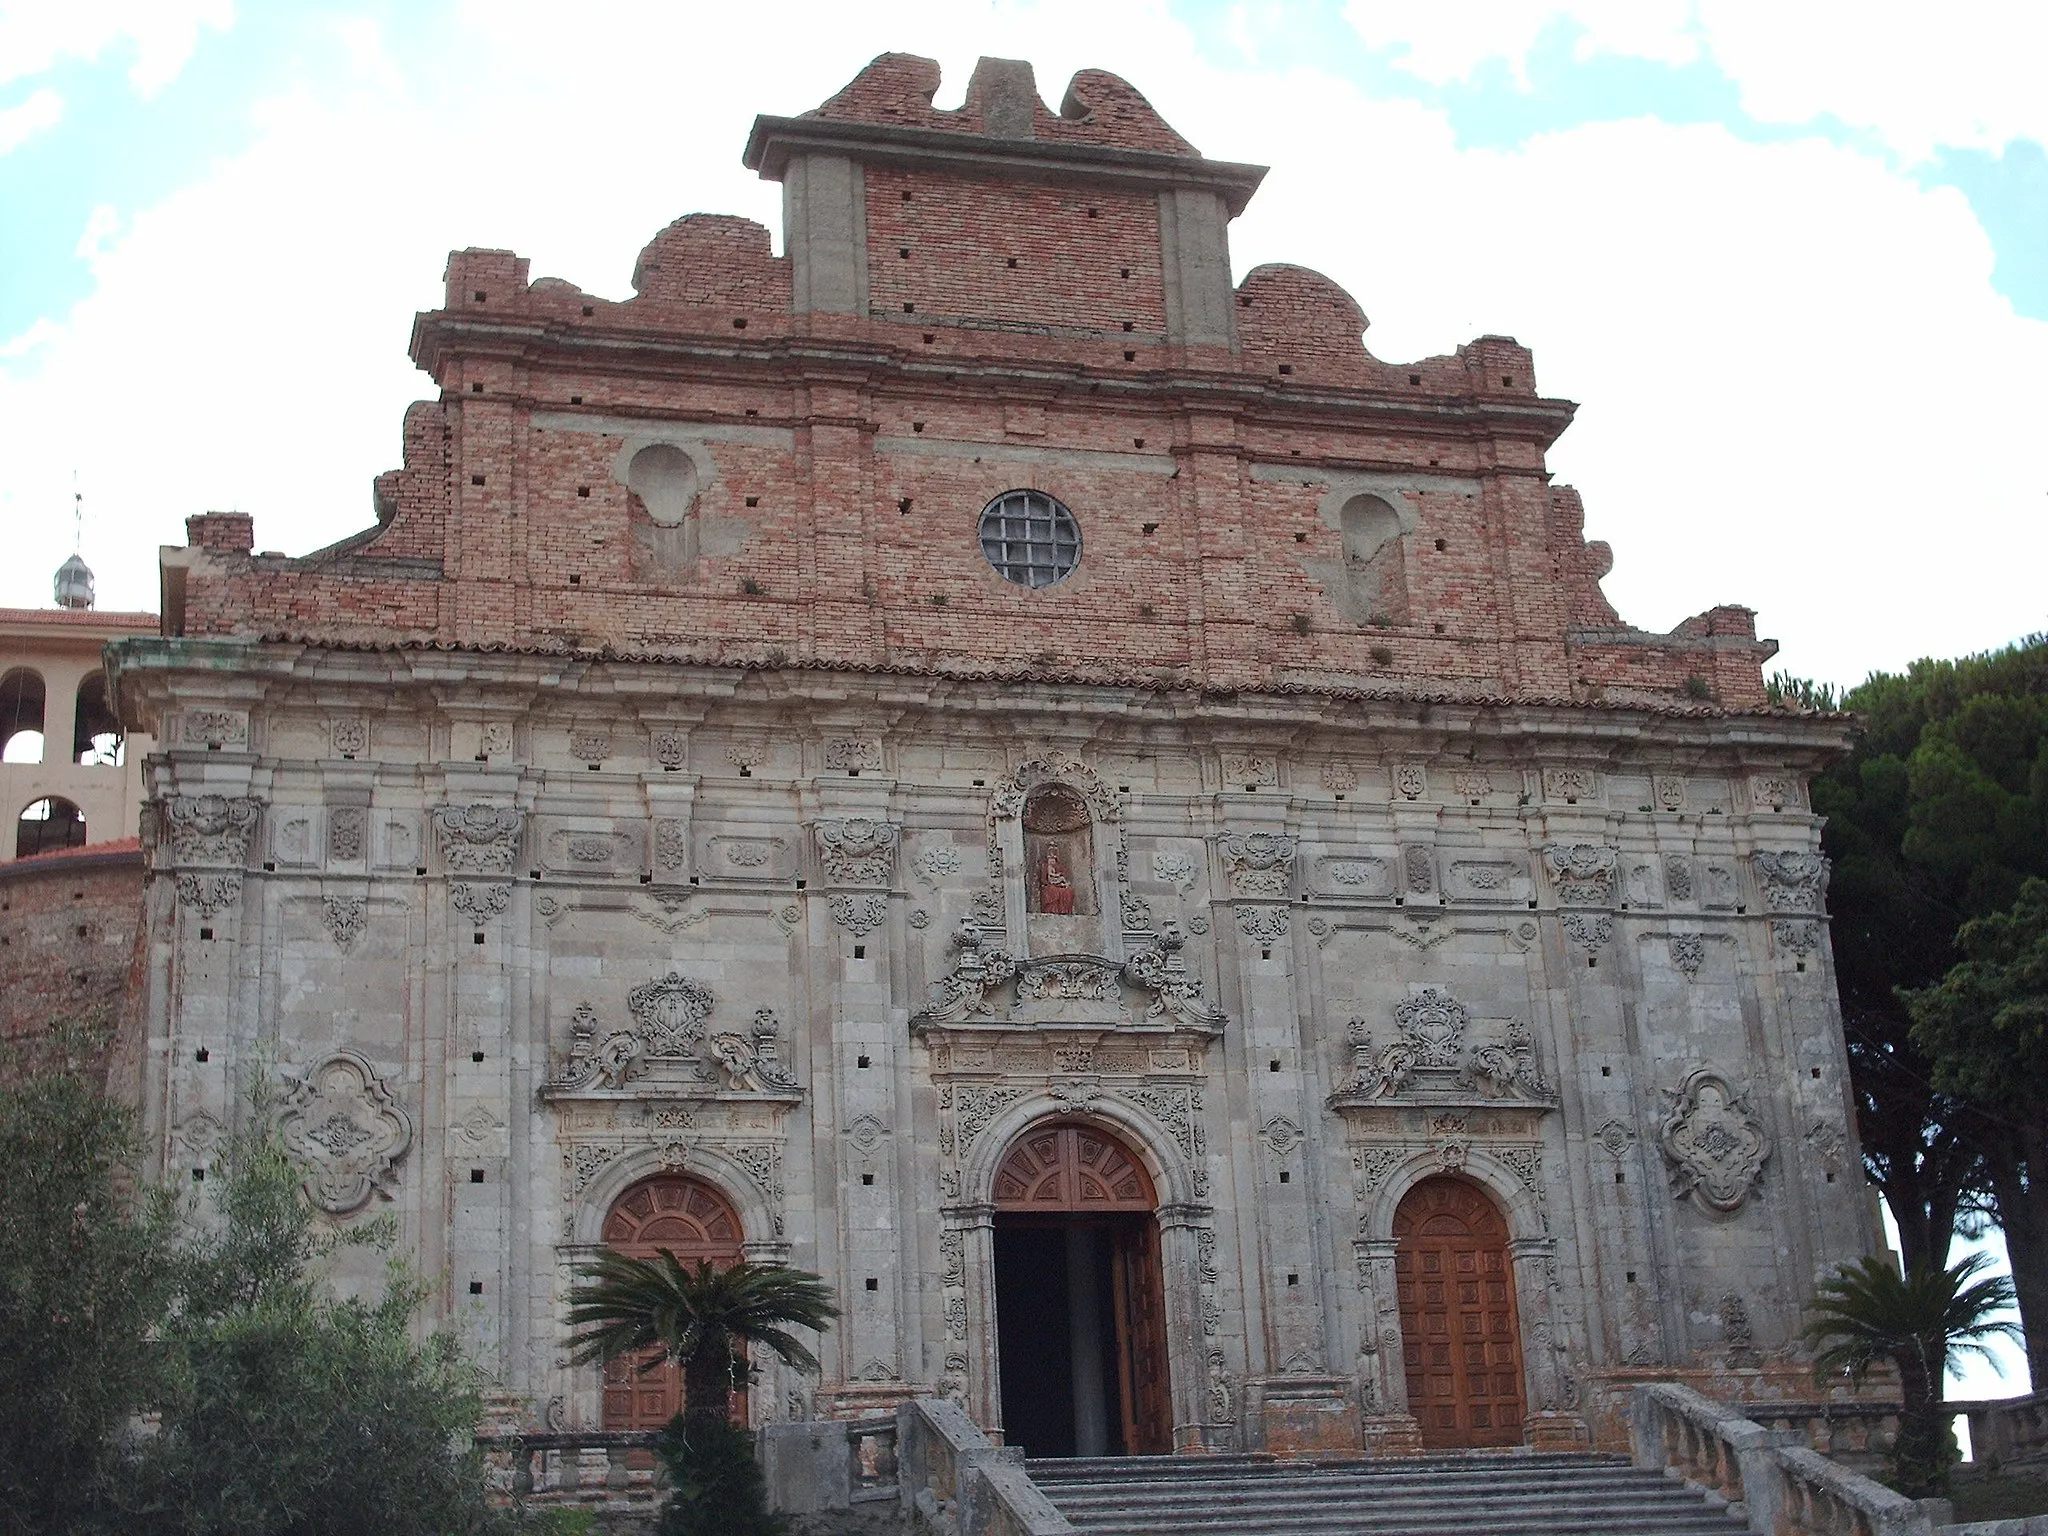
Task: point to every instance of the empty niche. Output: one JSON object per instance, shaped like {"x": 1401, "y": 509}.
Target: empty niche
{"x": 666, "y": 484}
{"x": 1368, "y": 581}
{"x": 1375, "y": 573}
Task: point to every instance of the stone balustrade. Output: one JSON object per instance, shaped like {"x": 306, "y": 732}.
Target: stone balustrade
{"x": 962, "y": 1483}
{"x": 1854, "y": 1434}
{"x": 1770, "y": 1478}
{"x": 2012, "y": 1431}
{"x": 589, "y": 1467}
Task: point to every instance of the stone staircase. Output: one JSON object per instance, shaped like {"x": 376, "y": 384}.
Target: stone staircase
{"x": 1480, "y": 1493}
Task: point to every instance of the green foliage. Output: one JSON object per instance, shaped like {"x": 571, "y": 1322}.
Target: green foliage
{"x": 295, "y": 1410}
{"x": 704, "y": 1318}
{"x": 85, "y": 1275}
{"x": 716, "y": 1486}
{"x": 1868, "y": 1313}
{"x": 1985, "y": 1024}
{"x": 1791, "y": 692}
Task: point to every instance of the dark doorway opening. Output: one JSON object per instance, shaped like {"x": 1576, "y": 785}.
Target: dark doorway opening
{"x": 1080, "y": 1308}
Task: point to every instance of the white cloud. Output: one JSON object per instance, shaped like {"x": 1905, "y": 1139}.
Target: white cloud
{"x": 1799, "y": 388}
{"x": 43, "y": 110}
{"x": 101, "y": 225}
{"x": 36, "y": 34}
{"x": 1966, "y": 73}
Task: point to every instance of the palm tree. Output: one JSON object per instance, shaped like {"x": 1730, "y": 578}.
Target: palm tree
{"x": 1868, "y": 1312}
{"x": 703, "y": 1318}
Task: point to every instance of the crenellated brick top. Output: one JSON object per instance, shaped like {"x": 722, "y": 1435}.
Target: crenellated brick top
{"x": 777, "y": 461}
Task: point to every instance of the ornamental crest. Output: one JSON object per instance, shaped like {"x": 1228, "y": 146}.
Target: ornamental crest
{"x": 858, "y": 850}
{"x": 1715, "y": 1144}
{"x": 1260, "y": 863}
{"x": 1792, "y": 882}
{"x": 1434, "y": 1023}
{"x": 209, "y": 829}
{"x": 341, "y": 1122}
{"x": 671, "y": 1013}
{"x": 1582, "y": 872}
{"x": 478, "y": 839}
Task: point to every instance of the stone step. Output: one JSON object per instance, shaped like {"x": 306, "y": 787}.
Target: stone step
{"x": 1500, "y": 1493}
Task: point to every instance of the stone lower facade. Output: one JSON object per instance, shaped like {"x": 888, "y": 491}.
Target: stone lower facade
{"x": 517, "y": 954}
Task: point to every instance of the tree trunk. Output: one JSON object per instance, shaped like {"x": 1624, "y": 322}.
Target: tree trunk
{"x": 707, "y": 1383}
{"x": 2019, "y": 1185}
{"x": 1926, "y": 1446}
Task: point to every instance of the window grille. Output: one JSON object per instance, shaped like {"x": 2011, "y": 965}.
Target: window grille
{"x": 1030, "y": 538}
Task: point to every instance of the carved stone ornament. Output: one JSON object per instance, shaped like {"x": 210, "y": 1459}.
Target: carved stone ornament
{"x": 478, "y": 900}
{"x": 935, "y": 863}
{"x": 1510, "y": 1066}
{"x": 1714, "y": 1142}
{"x": 349, "y": 735}
{"x": 1688, "y": 952}
{"x": 345, "y": 833}
{"x": 1668, "y": 790}
{"x": 478, "y": 839}
{"x": 851, "y": 754}
{"x": 1795, "y": 937}
{"x": 342, "y": 1123}
{"x": 979, "y": 973}
{"x": 671, "y": 748}
{"x": 216, "y": 728}
{"x": 857, "y": 850}
{"x": 1433, "y": 1027}
{"x": 209, "y": 893}
{"x": 1582, "y": 872}
{"x": 671, "y": 846}
{"x": 1792, "y": 882}
{"x": 345, "y": 917}
{"x": 590, "y": 743}
{"x": 1420, "y": 868}
{"x": 1472, "y": 785}
{"x": 1260, "y": 863}
{"x": 1570, "y": 785}
{"x": 859, "y": 914}
{"x": 1135, "y": 911}
{"x": 1263, "y": 925}
{"x": 1338, "y": 775}
{"x": 670, "y": 1012}
{"x": 209, "y": 829}
{"x": 1411, "y": 781}
{"x": 1677, "y": 877}
{"x": 1433, "y": 1023}
{"x": 1776, "y": 790}
{"x": 1250, "y": 768}
{"x": 1588, "y": 930}
{"x": 611, "y": 1062}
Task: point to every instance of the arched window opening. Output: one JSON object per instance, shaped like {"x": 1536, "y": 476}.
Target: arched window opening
{"x": 1374, "y": 568}
{"x": 21, "y": 716}
{"x": 694, "y": 1222}
{"x": 1059, "y": 854}
{"x": 95, "y": 732}
{"x": 47, "y": 825}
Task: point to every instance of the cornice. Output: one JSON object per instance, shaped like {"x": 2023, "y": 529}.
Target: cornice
{"x": 775, "y": 140}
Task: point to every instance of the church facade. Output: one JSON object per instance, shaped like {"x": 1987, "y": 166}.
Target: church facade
{"x": 982, "y": 758}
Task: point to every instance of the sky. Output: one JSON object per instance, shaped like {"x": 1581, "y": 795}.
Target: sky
{"x": 1789, "y": 256}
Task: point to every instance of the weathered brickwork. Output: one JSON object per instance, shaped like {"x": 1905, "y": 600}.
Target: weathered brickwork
{"x": 71, "y": 950}
{"x": 649, "y": 794}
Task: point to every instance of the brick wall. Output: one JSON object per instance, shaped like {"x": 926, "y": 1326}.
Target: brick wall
{"x": 71, "y": 948}
{"x": 1017, "y": 335}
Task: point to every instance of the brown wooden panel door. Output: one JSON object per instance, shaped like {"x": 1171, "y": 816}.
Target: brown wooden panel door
{"x": 1141, "y": 1331}
{"x": 693, "y": 1221}
{"x": 1460, "y": 1340}
{"x": 1071, "y": 1168}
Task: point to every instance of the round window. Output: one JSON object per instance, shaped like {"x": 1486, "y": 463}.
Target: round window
{"x": 1030, "y": 538}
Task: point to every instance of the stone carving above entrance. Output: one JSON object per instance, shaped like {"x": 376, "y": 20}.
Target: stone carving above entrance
{"x": 1714, "y": 1142}
{"x": 342, "y": 1123}
{"x": 672, "y": 1051}
{"x": 1433, "y": 1057}
{"x": 989, "y": 984}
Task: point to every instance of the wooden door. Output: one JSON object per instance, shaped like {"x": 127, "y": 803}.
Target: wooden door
{"x": 693, "y": 1221}
{"x": 1141, "y": 1339}
{"x": 1065, "y": 1167}
{"x": 1460, "y": 1341}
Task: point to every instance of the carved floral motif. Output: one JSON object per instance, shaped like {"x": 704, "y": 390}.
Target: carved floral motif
{"x": 1260, "y": 863}
{"x": 345, "y": 917}
{"x": 479, "y": 900}
{"x": 478, "y": 839}
{"x": 345, "y": 833}
{"x": 1411, "y": 781}
{"x": 1589, "y": 930}
{"x": 1263, "y": 925}
{"x": 1792, "y": 882}
{"x": 670, "y": 1012}
{"x": 209, "y": 829}
{"x": 1582, "y": 872}
{"x": 861, "y": 913}
{"x": 349, "y": 736}
{"x": 209, "y": 893}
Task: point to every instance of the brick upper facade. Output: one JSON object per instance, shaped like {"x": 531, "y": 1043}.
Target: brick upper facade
{"x": 975, "y": 301}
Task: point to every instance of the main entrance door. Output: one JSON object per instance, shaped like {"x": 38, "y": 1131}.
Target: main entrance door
{"x": 693, "y": 1221}
{"x": 1080, "y": 1309}
{"x": 1459, "y": 1338}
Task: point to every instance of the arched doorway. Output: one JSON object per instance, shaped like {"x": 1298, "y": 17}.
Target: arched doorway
{"x": 1460, "y": 1341}
{"x": 1080, "y": 1310}
{"x": 693, "y": 1221}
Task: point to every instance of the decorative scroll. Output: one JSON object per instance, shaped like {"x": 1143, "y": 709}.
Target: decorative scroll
{"x": 979, "y": 971}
